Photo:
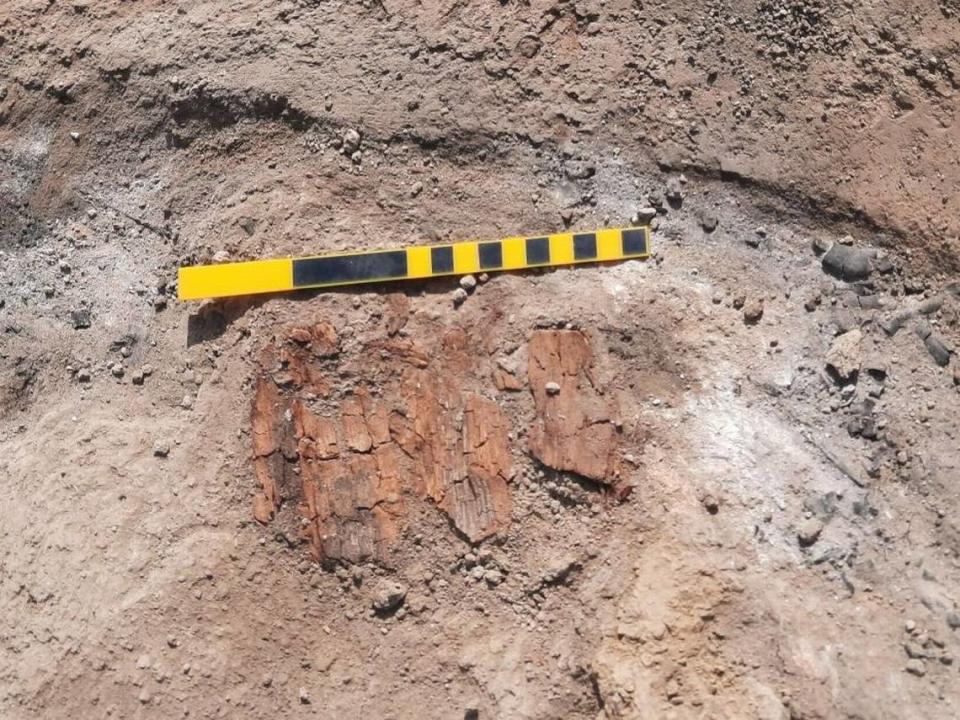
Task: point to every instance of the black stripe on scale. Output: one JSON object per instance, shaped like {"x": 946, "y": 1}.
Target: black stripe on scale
{"x": 441, "y": 259}
{"x": 585, "y": 246}
{"x": 491, "y": 255}
{"x": 538, "y": 251}
{"x": 387, "y": 265}
{"x": 634, "y": 241}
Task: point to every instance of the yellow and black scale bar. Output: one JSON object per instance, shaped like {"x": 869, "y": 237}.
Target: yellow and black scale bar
{"x": 265, "y": 276}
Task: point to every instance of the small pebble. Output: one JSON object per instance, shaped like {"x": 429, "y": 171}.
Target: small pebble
{"x": 916, "y": 667}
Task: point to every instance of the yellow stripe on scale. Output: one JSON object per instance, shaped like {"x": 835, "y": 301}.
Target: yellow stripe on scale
{"x": 200, "y": 282}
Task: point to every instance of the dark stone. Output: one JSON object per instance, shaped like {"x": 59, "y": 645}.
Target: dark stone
{"x": 80, "y": 318}
{"x": 937, "y": 349}
{"x": 847, "y": 263}
{"x": 894, "y": 324}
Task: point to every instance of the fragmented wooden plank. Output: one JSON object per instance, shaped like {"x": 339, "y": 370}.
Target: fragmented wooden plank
{"x": 479, "y": 502}
{"x": 415, "y": 432}
{"x": 574, "y": 430}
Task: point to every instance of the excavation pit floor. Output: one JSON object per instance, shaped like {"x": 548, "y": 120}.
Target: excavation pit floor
{"x": 716, "y": 483}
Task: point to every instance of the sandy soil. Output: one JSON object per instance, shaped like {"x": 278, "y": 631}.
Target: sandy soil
{"x": 748, "y": 507}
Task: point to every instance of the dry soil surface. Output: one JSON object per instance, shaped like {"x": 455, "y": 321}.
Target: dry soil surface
{"x": 720, "y": 483}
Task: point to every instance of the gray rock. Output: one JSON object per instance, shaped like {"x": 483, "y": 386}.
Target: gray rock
{"x": 644, "y": 216}
{"x": 161, "y": 448}
{"x": 870, "y": 302}
{"x": 916, "y": 667}
{"x": 552, "y": 388}
{"x": 351, "y": 141}
{"x": 80, "y": 318}
{"x": 893, "y": 325}
{"x": 459, "y": 296}
{"x": 468, "y": 283}
{"x": 923, "y": 329}
{"x": 914, "y": 650}
{"x": 938, "y": 349}
{"x": 953, "y": 620}
{"x": 931, "y": 305}
{"x": 83, "y": 375}
{"x": 847, "y": 263}
{"x": 389, "y": 596}
{"x": 808, "y": 532}
{"x": 304, "y": 696}
{"x": 709, "y": 222}
{"x": 560, "y": 570}
{"x": 902, "y": 99}
{"x": 477, "y": 573}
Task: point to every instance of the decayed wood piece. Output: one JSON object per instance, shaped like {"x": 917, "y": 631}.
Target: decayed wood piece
{"x": 574, "y": 430}
{"x": 349, "y": 466}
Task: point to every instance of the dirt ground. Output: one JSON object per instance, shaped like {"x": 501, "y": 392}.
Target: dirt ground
{"x": 738, "y": 498}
